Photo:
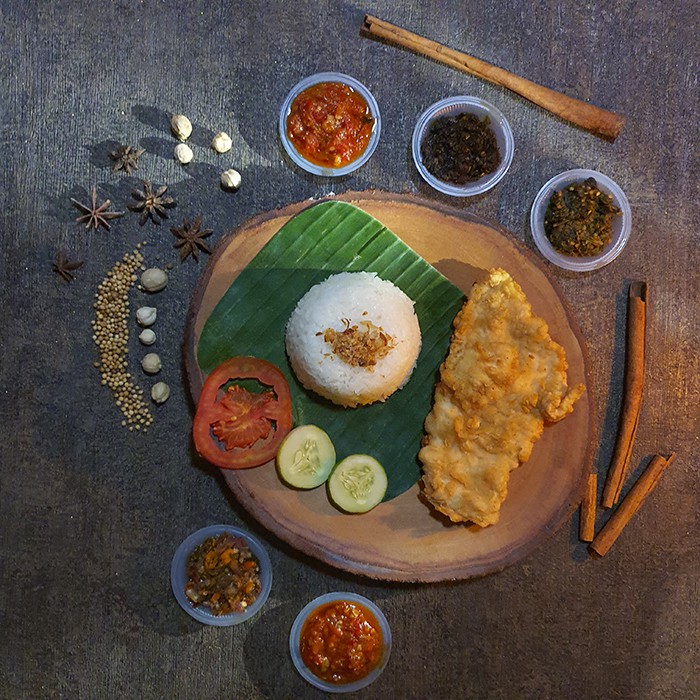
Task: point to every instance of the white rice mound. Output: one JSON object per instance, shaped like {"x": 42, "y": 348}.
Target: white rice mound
{"x": 357, "y": 297}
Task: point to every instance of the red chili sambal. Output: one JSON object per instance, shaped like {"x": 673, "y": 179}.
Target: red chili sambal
{"x": 330, "y": 124}
{"x": 341, "y": 642}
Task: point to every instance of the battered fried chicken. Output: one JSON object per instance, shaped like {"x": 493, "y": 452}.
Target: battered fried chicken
{"x": 502, "y": 379}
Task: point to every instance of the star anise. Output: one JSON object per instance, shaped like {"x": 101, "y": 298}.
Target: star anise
{"x": 95, "y": 215}
{"x": 65, "y": 267}
{"x": 126, "y": 158}
{"x": 151, "y": 203}
{"x": 190, "y": 238}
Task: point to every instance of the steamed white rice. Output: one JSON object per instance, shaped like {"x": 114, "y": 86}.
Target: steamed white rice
{"x": 356, "y": 297}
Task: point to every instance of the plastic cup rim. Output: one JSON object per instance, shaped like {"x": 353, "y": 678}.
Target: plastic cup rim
{"x": 297, "y": 158}
{"x": 498, "y": 122}
{"x": 571, "y": 263}
{"x": 178, "y": 575}
{"x": 295, "y": 633}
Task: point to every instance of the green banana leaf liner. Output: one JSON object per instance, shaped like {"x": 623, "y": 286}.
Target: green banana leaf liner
{"x": 250, "y": 319}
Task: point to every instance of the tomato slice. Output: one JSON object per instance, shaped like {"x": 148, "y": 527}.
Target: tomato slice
{"x": 241, "y": 429}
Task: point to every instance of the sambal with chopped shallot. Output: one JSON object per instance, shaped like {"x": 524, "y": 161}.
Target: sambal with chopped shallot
{"x": 223, "y": 575}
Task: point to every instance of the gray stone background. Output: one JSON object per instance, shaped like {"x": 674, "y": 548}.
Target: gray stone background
{"x": 91, "y": 514}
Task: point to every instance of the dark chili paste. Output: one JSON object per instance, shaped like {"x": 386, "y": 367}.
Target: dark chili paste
{"x": 460, "y": 148}
{"x": 579, "y": 219}
{"x": 341, "y": 642}
{"x": 223, "y": 575}
{"x": 330, "y": 124}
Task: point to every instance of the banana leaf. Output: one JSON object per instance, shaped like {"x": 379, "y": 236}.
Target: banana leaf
{"x": 250, "y": 319}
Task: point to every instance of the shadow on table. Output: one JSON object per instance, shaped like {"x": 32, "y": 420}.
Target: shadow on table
{"x": 273, "y": 674}
{"x": 606, "y": 440}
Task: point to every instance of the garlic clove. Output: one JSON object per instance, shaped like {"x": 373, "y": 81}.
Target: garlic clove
{"x": 160, "y": 392}
{"x": 151, "y": 363}
{"x": 147, "y": 336}
{"x": 181, "y": 126}
{"x": 231, "y": 179}
{"x": 146, "y": 315}
{"x": 154, "y": 279}
{"x": 221, "y": 142}
{"x": 183, "y": 153}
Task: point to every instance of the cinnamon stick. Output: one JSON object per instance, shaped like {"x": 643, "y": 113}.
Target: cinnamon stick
{"x": 586, "y": 528}
{"x": 632, "y": 396}
{"x": 630, "y": 504}
{"x": 592, "y": 118}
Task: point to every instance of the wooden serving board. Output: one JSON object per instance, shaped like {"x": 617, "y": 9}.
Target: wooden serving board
{"x": 404, "y": 539}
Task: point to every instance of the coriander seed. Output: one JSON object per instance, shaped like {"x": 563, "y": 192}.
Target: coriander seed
{"x": 111, "y": 335}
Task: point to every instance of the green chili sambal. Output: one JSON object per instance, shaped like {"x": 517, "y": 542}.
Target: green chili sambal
{"x": 579, "y": 219}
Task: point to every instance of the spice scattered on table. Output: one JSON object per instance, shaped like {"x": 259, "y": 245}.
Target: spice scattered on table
{"x": 95, "y": 215}
{"x": 126, "y": 158}
{"x": 588, "y": 509}
{"x": 183, "y": 153}
{"x": 579, "y": 219}
{"x": 330, "y": 124}
{"x": 64, "y": 267}
{"x": 146, "y": 315}
{"x": 190, "y": 238}
{"x": 460, "y": 148}
{"x": 223, "y": 575}
{"x": 633, "y": 390}
{"x": 222, "y": 142}
{"x": 181, "y": 126}
{"x": 231, "y": 180}
{"x": 584, "y": 114}
{"x": 147, "y": 336}
{"x": 110, "y": 329}
{"x": 151, "y": 363}
{"x": 631, "y": 503}
{"x": 152, "y": 203}
{"x": 160, "y": 393}
{"x": 154, "y": 279}
{"x": 341, "y": 642}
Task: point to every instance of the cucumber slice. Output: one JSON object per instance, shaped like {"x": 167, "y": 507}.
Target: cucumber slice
{"x": 305, "y": 457}
{"x": 357, "y": 484}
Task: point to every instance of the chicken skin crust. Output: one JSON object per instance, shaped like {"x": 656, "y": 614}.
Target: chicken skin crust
{"x": 503, "y": 378}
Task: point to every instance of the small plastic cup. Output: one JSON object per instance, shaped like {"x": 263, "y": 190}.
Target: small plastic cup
{"x": 452, "y": 106}
{"x": 178, "y": 576}
{"x": 307, "y": 165}
{"x": 622, "y": 225}
{"x": 295, "y": 635}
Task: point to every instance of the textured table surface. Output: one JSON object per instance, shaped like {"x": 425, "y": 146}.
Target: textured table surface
{"x": 90, "y": 514}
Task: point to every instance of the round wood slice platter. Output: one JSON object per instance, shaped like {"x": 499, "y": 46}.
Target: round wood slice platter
{"x": 404, "y": 539}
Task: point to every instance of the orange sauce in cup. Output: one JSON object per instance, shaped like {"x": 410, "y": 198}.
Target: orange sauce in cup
{"x": 330, "y": 124}
{"x": 341, "y": 642}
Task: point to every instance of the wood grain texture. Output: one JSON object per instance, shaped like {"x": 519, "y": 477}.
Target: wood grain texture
{"x": 589, "y": 503}
{"x": 594, "y": 119}
{"x": 633, "y": 386}
{"x": 639, "y": 492}
{"x": 88, "y": 510}
{"x": 402, "y": 539}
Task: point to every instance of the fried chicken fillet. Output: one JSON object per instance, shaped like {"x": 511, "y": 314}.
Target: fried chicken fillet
{"x": 502, "y": 379}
